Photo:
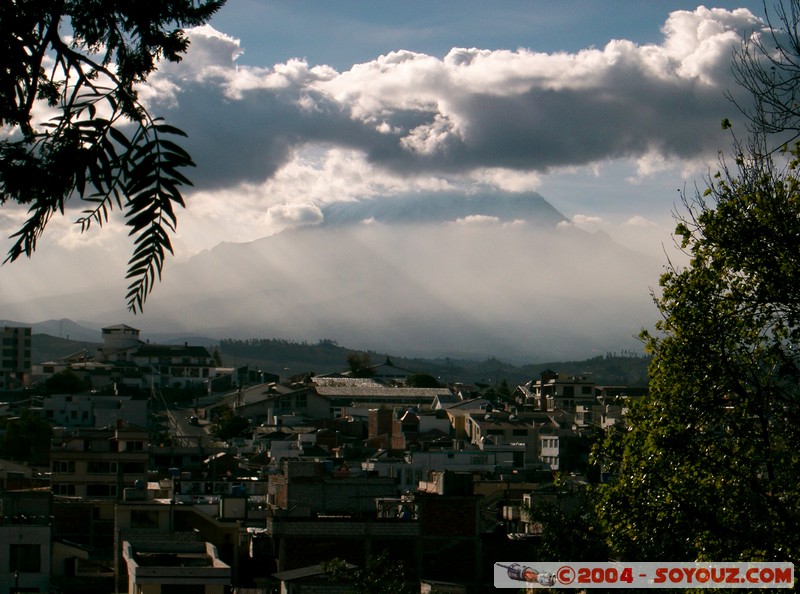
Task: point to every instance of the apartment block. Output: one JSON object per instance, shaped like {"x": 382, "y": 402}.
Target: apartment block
{"x": 15, "y": 357}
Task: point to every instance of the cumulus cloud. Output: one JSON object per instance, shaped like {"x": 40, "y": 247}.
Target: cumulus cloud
{"x": 582, "y": 220}
{"x": 478, "y": 220}
{"x": 474, "y": 110}
{"x": 640, "y": 221}
{"x": 294, "y": 215}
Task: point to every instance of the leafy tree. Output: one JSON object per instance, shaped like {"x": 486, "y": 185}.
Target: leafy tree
{"x": 216, "y": 357}
{"x": 229, "y": 425}
{"x": 422, "y": 380}
{"x": 709, "y": 467}
{"x": 382, "y": 575}
{"x": 768, "y": 66}
{"x": 82, "y": 60}
{"x": 504, "y": 391}
{"x": 709, "y": 463}
{"x": 360, "y": 365}
{"x": 570, "y": 529}
{"x": 66, "y": 382}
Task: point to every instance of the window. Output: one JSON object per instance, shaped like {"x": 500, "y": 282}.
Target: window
{"x": 519, "y": 432}
{"x": 134, "y": 446}
{"x": 62, "y": 489}
{"x": 25, "y": 558}
{"x": 586, "y": 389}
{"x": 569, "y": 391}
{"x": 63, "y": 466}
{"x": 301, "y": 400}
{"x": 101, "y": 467}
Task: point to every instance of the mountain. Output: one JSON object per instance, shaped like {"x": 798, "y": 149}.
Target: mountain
{"x": 436, "y": 276}
{"x": 444, "y": 207}
{"x": 518, "y": 286}
{"x": 63, "y": 328}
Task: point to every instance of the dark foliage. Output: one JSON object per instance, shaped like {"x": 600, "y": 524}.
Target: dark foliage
{"x": 84, "y": 59}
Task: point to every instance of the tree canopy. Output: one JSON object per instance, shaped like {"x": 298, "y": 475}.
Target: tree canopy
{"x": 360, "y": 365}
{"x": 708, "y": 464}
{"x": 228, "y": 425}
{"x": 80, "y": 61}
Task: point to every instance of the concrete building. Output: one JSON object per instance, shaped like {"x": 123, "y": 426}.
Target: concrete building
{"x": 163, "y": 548}
{"x": 98, "y": 463}
{"x": 189, "y": 568}
{"x": 15, "y": 357}
{"x": 25, "y": 535}
{"x": 94, "y": 410}
{"x": 552, "y": 392}
{"x": 173, "y": 366}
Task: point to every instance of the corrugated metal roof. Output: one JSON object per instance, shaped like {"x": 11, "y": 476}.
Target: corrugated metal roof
{"x": 381, "y": 391}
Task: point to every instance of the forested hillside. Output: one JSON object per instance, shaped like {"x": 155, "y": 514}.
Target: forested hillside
{"x": 286, "y": 358}
{"x": 291, "y": 358}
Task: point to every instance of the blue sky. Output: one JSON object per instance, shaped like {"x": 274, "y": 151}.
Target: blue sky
{"x": 342, "y": 33}
{"x": 606, "y": 109}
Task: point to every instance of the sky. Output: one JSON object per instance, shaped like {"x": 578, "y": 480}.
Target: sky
{"x": 606, "y": 109}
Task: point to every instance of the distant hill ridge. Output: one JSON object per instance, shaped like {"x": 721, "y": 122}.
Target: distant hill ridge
{"x": 286, "y": 358}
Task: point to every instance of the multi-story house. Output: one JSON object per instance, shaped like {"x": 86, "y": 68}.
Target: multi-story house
{"x": 161, "y": 547}
{"x": 25, "y": 534}
{"x": 562, "y": 445}
{"x": 93, "y": 410}
{"x": 98, "y": 463}
{"x": 549, "y": 449}
{"x": 552, "y": 392}
{"x": 499, "y": 431}
{"x": 15, "y": 357}
{"x": 316, "y": 514}
{"x": 415, "y": 467}
{"x": 174, "y": 366}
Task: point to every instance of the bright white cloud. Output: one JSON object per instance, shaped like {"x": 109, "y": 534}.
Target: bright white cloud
{"x": 473, "y": 111}
{"x": 478, "y": 220}
{"x": 643, "y": 222}
{"x": 581, "y": 219}
{"x": 508, "y": 180}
